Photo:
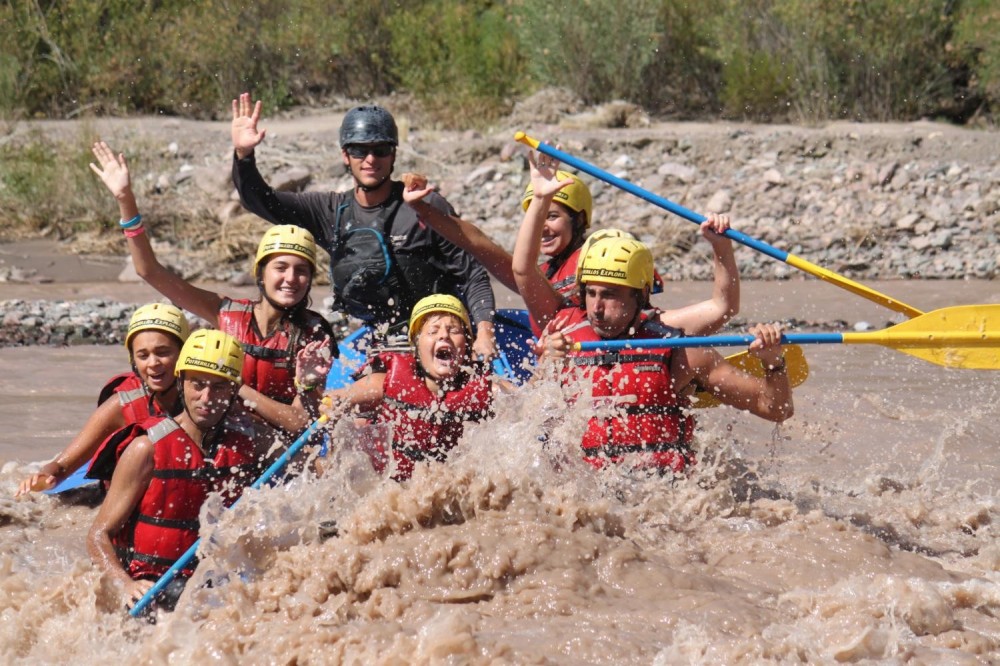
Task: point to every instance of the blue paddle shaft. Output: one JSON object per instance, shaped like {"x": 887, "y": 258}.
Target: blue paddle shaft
{"x": 710, "y": 341}
{"x": 666, "y": 204}
{"x": 189, "y": 554}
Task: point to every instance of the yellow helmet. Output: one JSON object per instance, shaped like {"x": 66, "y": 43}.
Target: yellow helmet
{"x": 436, "y": 303}
{"x": 157, "y": 317}
{"x": 575, "y": 196}
{"x": 214, "y": 352}
{"x": 286, "y": 239}
{"x": 617, "y": 260}
{"x": 601, "y": 234}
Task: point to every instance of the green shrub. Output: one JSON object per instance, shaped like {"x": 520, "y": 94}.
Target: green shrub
{"x": 684, "y": 76}
{"x": 859, "y": 59}
{"x": 977, "y": 41}
{"x": 45, "y": 182}
{"x": 597, "y": 48}
{"x": 467, "y": 60}
{"x": 459, "y": 58}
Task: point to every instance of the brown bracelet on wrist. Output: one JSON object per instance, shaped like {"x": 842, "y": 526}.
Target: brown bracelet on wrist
{"x": 776, "y": 368}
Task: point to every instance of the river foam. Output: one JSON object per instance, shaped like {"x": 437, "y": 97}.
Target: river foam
{"x": 516, "y": 552}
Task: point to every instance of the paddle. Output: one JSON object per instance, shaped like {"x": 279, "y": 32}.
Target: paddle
{"x": 962, "y": 336}
{"x": 189, "y": 554}
{"x": 737, "y": 236}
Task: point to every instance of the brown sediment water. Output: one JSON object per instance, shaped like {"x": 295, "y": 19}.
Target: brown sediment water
{"x": 862, "y": 530}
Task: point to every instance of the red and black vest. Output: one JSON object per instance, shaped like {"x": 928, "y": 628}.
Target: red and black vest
{"x": 165, "y": 523}
{"x": 269, "y": 365}
{"x": 426, "y": 426}
{"x": 137, "y": 403}
{"x": 564, "y": 277}
{"x": 644, "y": 414}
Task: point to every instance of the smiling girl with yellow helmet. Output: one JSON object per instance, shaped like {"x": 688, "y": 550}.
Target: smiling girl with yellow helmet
{"x": 153, "y": 339}
{"x": 273, "y": 328}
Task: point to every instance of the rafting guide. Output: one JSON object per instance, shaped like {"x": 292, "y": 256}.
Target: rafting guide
{"x": 383, "y": 258}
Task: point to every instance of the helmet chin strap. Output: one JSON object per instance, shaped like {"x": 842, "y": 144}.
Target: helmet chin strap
{"x": 136, "y": 371}
{"x": 370, "y": 188}
{"x": 184, "y": 405}
{"x": 642, "y": 302}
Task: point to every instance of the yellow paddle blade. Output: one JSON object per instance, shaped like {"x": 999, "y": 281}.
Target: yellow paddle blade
{"x": 962, "y": 336}
{"x": 795, "y": 362}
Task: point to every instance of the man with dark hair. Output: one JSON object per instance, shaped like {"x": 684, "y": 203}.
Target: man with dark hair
{"x": 645, "y": 421}
{"x": 383, "y": 258}
{"x": 163, "y": 469}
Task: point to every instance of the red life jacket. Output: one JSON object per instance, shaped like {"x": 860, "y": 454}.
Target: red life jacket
{"x": 137, "y": 404}
{"x": 425, "y": 426}
{"x": 269, "y": 365}
{"x": 136, "y": 401}
{"x": 564, "y": 277}
{"x": 653, "y": 422}
{"x": 165, "y": 523}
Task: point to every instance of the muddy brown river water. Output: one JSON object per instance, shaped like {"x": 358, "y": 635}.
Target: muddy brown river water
{"x": 870, "y": 533}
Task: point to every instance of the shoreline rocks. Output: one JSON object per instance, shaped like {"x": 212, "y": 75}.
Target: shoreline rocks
{"x": 97, "y": 321}
{"x": 905, "y": 201}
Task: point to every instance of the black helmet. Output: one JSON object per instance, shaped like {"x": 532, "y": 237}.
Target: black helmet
{"x": 368, "y": 124}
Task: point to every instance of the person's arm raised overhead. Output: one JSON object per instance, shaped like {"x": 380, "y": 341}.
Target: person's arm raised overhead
{"x": 540, "y": 297}
{"x": 457, "y": 231}
{"x": 709, "y": 316}
{"x": 114, "y": 173}
{"x": 246, "y": 116}
{"x": 303, "y": 209}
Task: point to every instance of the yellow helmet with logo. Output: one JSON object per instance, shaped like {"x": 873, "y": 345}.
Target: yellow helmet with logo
{"x": 214, "y": 352}
{"x": 617, "y": 260}
{"x": 286, "y": 239}
{"x": 157, "y": 317}
{"x": 436, "y": 303}
{"x": 574, "y": 196}
{"x": 601, "y": 234}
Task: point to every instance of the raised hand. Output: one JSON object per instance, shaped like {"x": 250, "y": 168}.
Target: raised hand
{"x": 313, "y": 362}
{"x": 415, "y": 187}
{"x": 113, "y": 170}
{"x": 544, "y": 180}
{"x": 246, "y": 114}
{"x": 713, "y": 228}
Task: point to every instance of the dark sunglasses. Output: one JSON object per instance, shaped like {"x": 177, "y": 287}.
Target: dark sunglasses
{"x": 358, "y": 151}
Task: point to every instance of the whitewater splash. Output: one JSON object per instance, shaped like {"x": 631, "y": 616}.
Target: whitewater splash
{"x": 517, "y": 552}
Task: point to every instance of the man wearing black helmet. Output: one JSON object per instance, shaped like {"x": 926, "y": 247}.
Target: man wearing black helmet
{"x": 383, "y": 258}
